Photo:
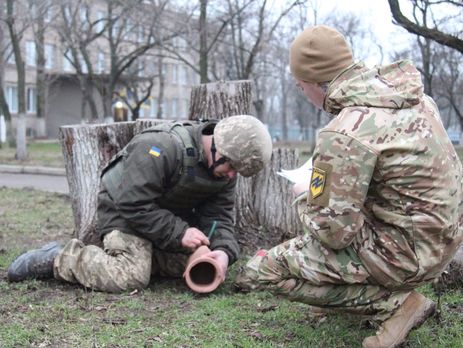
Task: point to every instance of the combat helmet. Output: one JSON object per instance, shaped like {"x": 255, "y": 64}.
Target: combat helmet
{"x": 245, "y": 142}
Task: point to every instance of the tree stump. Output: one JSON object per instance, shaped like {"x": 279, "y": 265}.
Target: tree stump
{"x": 86, "y": 150}
{"x": 219, "y": 100}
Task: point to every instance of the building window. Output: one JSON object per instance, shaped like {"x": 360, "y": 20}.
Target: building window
{"x": 164, "y": 71}
{"x": 83, "y": 15}
{"x": 184, "y": 75}
{"x": 83, "y": 64}
{"x": 115, "y": 26}
{"x": 100, "y": 63}
{"x": 48, "y": 15}
{"x": 183, "y": 107}
{"x": 175, "y": 74}
{"x": 128, "y": 28}
{"x": 49, "y": 56}
{"x": 31, "y": 100}
{"x": 141, "y": 68}
{"x": 154, "y": 107}
{"x": 179, "y": 43}
{"x": 100, "y": 21}
{"x": 31, "y": 54}
{"x": 165, "y": 107}
{"x": 152, "y": 68}
{"x": 67, "y": 62}
{"x": 12, "y": 98}
{"x": 67, "y": 13}
{"x": 140, "y": 34}
{"x": 9, "y": 55}
{"x": 145, "y": 109}
{"x": 174, "y": 108}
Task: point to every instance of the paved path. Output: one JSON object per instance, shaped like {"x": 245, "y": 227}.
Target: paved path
{"x": 45, "y": 182}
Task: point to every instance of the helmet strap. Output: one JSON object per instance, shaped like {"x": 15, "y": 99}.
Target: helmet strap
{"x": 215, "y": 163}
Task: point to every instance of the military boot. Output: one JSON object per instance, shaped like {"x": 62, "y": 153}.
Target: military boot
{"x": 34, "y": 264}
{"x": 411, "y": 314}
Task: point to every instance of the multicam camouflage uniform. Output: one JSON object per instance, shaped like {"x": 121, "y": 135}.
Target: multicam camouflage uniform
{"x": 382, "y": 213}
{"x": 152, "y": 191}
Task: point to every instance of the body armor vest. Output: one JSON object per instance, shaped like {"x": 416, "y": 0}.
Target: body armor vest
{"x": 192, "y": 184}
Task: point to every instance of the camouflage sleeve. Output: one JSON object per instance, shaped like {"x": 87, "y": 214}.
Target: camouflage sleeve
{"x": 220, "y": 209}
{"x": 342, "y": 171}
{"x": 150, "y": 163}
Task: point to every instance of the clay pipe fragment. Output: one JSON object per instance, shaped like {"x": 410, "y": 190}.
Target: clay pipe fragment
{"x": 202, "y": 273}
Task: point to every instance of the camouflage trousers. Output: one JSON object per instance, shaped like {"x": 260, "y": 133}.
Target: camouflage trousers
{"x": 305, "y": 271}
{"x": 126, "y": 262}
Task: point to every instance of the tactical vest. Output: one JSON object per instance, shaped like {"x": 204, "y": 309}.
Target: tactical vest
{"x": 192, "y": 184}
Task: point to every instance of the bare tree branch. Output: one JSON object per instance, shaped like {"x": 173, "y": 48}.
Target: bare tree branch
{"x": 434, "y": 34}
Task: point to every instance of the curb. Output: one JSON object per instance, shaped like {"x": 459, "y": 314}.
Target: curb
{"x": 5, "y": 168}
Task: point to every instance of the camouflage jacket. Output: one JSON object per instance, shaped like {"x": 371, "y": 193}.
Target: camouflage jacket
{"x": 387, "y": 180}
{"x": 155, "y": 197}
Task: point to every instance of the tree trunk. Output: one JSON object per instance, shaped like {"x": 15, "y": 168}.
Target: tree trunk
{"x": 264, "y": 212}
{"x": 41, "y": 80}
{"x": 21, "y": 147}
{"x": 203, "y": 50}
{"x": 218, "y": 100}
{"x": 86, "y": 150}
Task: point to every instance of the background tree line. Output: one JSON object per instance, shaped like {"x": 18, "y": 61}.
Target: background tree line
{"x": 218, "y": 40}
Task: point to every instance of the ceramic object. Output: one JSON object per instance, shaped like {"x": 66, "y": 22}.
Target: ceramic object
{"x": 202, "y": 273}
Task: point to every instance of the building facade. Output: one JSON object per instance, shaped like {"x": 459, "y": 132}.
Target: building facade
{"x": 73, "y": 74}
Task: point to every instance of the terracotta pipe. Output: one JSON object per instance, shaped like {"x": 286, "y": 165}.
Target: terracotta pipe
{"x": 202, "y": 273}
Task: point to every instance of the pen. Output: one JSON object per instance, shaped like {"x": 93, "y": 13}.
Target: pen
{"x": 211, "y": 232}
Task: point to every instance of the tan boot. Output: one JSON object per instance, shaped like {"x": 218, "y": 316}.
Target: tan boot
{"x": 411, "y": 314}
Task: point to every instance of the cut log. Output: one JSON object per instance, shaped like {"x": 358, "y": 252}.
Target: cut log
{"x": 219, "y": 100}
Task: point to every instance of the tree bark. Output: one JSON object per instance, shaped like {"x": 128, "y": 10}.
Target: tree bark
{"x": 203, "y": 51}
{"x": 41, "y": 80}
{"x": 264, "y": 212}
{"x": 21, "y": 149}
{"x": 218, "y": 100}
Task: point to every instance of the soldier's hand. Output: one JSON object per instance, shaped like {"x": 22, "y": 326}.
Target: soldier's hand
{"x": 194, "y": 238}
{"x": 222, "y": 259}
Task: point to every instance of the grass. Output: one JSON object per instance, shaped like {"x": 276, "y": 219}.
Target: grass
{"x": 47, "y": 154}
{"x": 166, "y": 314}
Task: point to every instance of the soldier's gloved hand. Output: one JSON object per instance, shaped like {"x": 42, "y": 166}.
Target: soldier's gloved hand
{"x": 222, "y": 259}
{"x": 194, "y": 238}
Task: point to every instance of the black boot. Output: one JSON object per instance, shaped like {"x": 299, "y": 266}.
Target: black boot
{"x": 34, "y": 264}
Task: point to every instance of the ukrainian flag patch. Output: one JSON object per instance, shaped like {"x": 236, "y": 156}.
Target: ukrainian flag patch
{"x": 154, "y": 151}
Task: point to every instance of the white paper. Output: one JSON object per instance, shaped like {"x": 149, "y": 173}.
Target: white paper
{"x": 301, "y": 174}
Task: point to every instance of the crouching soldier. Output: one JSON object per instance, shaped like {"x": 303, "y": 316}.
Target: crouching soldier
{"x": 382, "y": 207}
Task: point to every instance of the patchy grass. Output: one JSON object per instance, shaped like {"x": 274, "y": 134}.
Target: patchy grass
{"x": 47, "y": 154}
{"x": 166, "y": 314}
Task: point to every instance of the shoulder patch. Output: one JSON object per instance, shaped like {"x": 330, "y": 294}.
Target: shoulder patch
{"x": 317, "y": 182}
{"x": 154, "y": 151}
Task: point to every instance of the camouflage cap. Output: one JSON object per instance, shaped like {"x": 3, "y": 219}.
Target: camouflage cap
{"x": 245, "y": 141}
